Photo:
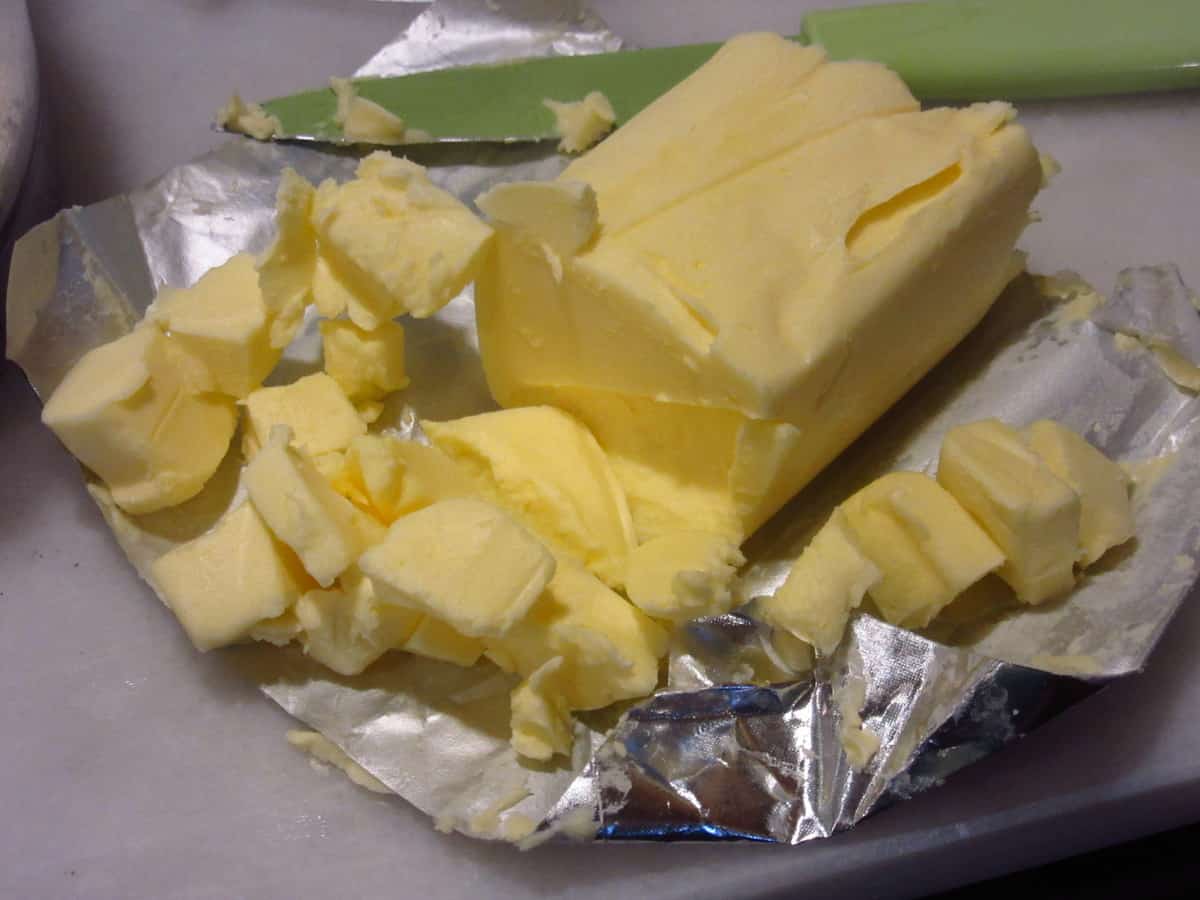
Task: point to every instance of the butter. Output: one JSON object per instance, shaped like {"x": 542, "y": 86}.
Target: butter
{"x": 1105, "y": 511}
{"x": 323, "y": 750}
{"x": 541, "y": 721}
{"x": 548, "y": 470}
{"x": 683, "y": 575}
{"x": 784, "y": 241}
{"x": 365, "y": 364}
{"x": 610, "y": 649}
{"x": 926, "y": 547}
{"x": 364, "y": 120}
{"x": 827, "y": 581}
{"x": 463, "y": 561}
{"x": 330, "y": 294}
{"x": 390, "y": 478}
{"x": 1031, "y": 513}
{"x": 314, "y": 407}
{"x": 581, "y": 123}
{"x": 437, "y": 640}
{"x": 286, "y": 270}
{"x": 224, "y": 583}
{"x": 561, "y": 214}
{"x": 400, "y": 244}
{"x": 300, "y": 507}
{"x": 248, "y": 118}
{"x": 222, "y": 326}
{"x": 125, "y": 411}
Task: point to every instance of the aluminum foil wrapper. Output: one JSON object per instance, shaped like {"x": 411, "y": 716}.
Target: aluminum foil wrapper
{"x": 739, "y": 745}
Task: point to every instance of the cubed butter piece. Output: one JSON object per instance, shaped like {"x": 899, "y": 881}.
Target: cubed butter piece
{"x": 319, "y": 414}
{"x": 125, "y": 412}
{"x": 928, "y": 548}
{"x": 1031, "y": 513}
{"x": 400, "y": 244}
{"x": 221, "y": 324}
{"x": 303, "y": 510}
{"x": 463, "y": 561}
{"x": 330, "y": 294}
{"x": 364, "y": 120}
{"x": 581, "y": 123}
{"x": 827, "y": 581}
{"x": 224, "y": 583}
{"x": 391, "y": 477}
{"x": 437, "y": 640}
{"x": 545, "y": 467}
{"x": 366, "y": 364}
{"x": 561, "y": 214}
{"x": 285, "y": 271}
{"x": 1105, "y": 512}
{"x": 683, "y": 575}
{"x": 541, "y": 721}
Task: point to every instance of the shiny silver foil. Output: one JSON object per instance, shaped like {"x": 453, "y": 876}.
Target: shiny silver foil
{"x": 736, "y": 747}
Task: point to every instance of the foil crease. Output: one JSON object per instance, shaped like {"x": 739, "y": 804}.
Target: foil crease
{"x": 736, "y": 747}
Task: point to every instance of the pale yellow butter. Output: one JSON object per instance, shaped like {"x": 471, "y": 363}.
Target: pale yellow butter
{"x": 286, "y": 270}
{"x": 330, "y": 294}
{"x": 581, "y": 123}
{"x": 248, "y": 118}
{"x": 437, "y": 640}
{"x": 365, "y": 364}
{"x": 126, "y": 412}
{"x": 541, "y": 721}
{"x": 561, "y": 214}
{"x": 390, "y": 477}
{"x": 364, "y": 120}
{"x": 319, "y": 414}
{"x": 683, "y": 575}
{"x": 463, "y": 561}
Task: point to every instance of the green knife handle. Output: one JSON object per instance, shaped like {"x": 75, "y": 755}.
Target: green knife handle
{"x": 1021, "y": 49}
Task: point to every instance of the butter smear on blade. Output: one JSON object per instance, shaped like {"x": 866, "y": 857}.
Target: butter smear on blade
{"x": 581, "y": 123}
{"x": 364, "y": 120}
{"x": 248, "y": 118}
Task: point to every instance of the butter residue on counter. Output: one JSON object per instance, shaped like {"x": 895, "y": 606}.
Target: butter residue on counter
{"x": 248, "y": 118}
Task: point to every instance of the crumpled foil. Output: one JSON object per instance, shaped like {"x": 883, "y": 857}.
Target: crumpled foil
{"x": 735, "y": 747}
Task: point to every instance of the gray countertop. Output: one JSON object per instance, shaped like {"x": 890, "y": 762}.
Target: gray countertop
{"x": 135, "y": 767}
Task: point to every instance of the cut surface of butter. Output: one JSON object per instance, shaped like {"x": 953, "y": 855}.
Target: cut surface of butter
{"x": 928, "y": 548}
{"x": 285, "y": 271}
{"x": 125, "y": 411}
{"x": 1031, "y": 513}
{"x": 437, "y": 640}
{"x": 248, "y": 118}
{"x": 365, "y": 364}
{"x": 1105, "y": 511}
{"x": 541, "y": 721}
{"x": 827, "y": 582}
{"x": 581, "y": 123}
{"x": 464, "y": 561}
{"x": 683, "y": 575}
{"x": 546, "y": 468}
{"x": 303, "y": 510}
{"x": 399, "y": 244}
{"x": 362, "y": 119}
{"x": 390, "y": 477}
{"x": 221, "y": 323}
{"x": 319, "y": 414}
{"x": 561, "y": 214}
{"x": 224, "y": 583}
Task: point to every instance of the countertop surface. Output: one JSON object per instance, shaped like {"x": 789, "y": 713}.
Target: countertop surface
{"x": 135, "y": 767}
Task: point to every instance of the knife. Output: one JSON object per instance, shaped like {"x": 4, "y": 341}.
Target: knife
{"x": 954, "y": 50}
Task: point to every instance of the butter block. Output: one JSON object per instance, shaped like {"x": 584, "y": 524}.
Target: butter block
{"x": 390, "y": 477}
{"x": 827, "y": 582}
{"x": 463, "y": 561}
{"x": 581, "y": 123}
{"x": 223, "y": 584}
{"x": 561, "y": 214}
{"x": 303, "y": 510}
{"x": 548, "y": 470}
{"x": 365, "y": 364}
{"x": 683, "y": 575}
{"x": 1031, "y": 513}
{"x": 541, "y": 722}
{"x": 221, "y": 323}
{"x": 437, "y": 640}
{"x": 125, "y": 411}
{"x": 285, "y": 271}
{"x": 1105, "y": 511}
{"x": 400, "y": 244}
{"x": 319, "y": 414}
{"x": 364, "y": 120}
{"x": 610, "y": 649}
{"x": 927, "y": 548}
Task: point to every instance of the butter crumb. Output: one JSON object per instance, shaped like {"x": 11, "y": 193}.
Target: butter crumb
{"x": 363, "y": 120}
{"x": 248, "y": 119}
{"x": 323, "y": 750}
{"x": 581, "y": 123}
{"x": 860, "y": 743}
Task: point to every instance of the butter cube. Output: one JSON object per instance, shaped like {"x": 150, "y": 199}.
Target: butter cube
{"x": 1031, "y": 513}
{"x": 400, "y": 244}
{"x": 362, "y": 119}
{"x": 365, "y": 364}
{"x": 1105, "y": 512}
{"x": 541, "y": 722}
{"x": 330, "y": 294}
{"x": 347, "y": 629}
{"x": 561, "y": 214}
{"x": 437, "y": 640}
{"x": 223, "y": 584}
{"x": 285, "y": 271}
{"x": 125, "y": 412}
{"x": 683, "y": 575}
{"x": 392, "y": 477}
{"x": 463, "y": 561}
{"x": 319, "y": 414}
{"x": 303, "y": 510}
{"x": 927, "y": 548}
{"x": 827, "y": 582}
{"x": 221, "y": 323}
{"x": 548, "y": 470}
{"x": 610, "y": 649}
{"x": 580, "y": 123}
